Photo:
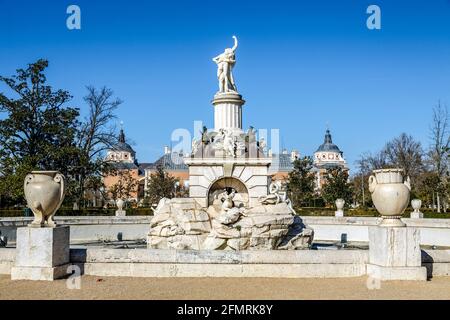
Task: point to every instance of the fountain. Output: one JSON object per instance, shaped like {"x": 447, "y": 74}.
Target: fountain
{"x": 232, "y": 204}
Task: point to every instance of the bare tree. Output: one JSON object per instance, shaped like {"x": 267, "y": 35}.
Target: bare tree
{"x": 401, "y": 152}
{"x": 439, "y": 148}
{"x": 366, "y": 163}
{"x": 369, "y": 162}
{"x": 97, "y": 134}
{"x": 406, "y": 153}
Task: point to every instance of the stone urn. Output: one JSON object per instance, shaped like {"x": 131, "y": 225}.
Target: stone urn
{"x": 340, "y": 207}
{"x": 120, "y": 212}
{"x": 119, "y": 204}
{"x": 44, "y": 192}
{"x": 416, "y": 205}
{"x": 390, "y": 195}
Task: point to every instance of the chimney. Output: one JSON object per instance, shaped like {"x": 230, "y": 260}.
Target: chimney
{"x": 166, "y": 150}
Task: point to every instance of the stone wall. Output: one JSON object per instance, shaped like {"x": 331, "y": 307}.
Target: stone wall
{"x": 433, "y": 231}
{"x": 190, "y": 263}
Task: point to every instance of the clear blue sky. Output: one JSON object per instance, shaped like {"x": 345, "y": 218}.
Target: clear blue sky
{"x": 300, "y": 64}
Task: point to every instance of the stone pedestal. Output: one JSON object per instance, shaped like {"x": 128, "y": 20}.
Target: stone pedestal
{"x": 394, "y": 254}
{"x": 121, "y": 213}
{"x": 41, "y": 253}
{"x": 416, "y": 215}
{"x": 339, "y": 213}
{"x": 228, "y": 111}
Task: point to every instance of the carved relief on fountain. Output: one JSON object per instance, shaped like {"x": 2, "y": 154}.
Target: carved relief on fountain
{"x": 223, "y": 188}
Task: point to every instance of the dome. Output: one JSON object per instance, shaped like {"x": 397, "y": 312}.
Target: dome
{"x": 122, "y": 145}
{"x": 328, "y": 145}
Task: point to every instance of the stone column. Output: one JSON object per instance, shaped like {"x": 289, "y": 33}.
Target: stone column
{"x": 228, "y": 111}
{"x": 394, "y": 254}
{"x": 41, "y": 253}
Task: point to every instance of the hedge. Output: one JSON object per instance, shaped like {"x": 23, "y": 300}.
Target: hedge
{"x": 65, "y": 212}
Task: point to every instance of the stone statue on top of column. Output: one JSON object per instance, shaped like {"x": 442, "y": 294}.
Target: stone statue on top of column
{"x": 225, "y": 63}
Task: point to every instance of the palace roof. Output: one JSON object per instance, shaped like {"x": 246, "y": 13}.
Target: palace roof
{"x": 328, "y": 145}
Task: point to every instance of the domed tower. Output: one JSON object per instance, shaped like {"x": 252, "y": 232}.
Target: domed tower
{"x": 122, "y": 151}
{"x": 327, "y": 156}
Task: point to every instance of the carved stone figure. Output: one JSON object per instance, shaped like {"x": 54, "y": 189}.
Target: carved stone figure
{"x": 228, "y": 144}
{"x": 227, "y": 199}
{"x": 262, "y": 145}
{"x": 225, "y": 63}
{"x": 275, "y": 195}
{"x": 195, "y": 145}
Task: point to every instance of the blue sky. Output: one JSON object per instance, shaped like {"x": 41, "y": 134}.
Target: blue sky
{"x": 300, "y": 64}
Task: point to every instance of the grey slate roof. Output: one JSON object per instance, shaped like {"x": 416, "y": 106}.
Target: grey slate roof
{"x": 328, "y": 145}
{"x": 168, "y": 164}
{"x": 284, "y": 164}
{"x": 124, "y": 165}
{"x": 121, "y": 145}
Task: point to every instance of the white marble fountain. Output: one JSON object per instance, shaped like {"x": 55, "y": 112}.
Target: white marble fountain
{"x": 232, "y": 204}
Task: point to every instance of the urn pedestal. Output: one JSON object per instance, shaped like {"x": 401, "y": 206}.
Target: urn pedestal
{"x": 394, "y": 254}
{"x": 41, "y": 253}
{"x": 120, "y": 212}
{"x": 416, "y": 205}
{"x": 394, "y": 248}
{"x": 339, "y": 208}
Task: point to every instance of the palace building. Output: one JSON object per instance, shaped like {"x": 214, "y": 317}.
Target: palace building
{"x": 327, "y": 156}
{"x": 123, "y": 157}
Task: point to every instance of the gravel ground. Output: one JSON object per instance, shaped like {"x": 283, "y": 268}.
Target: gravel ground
{"x": 223, "y": 289}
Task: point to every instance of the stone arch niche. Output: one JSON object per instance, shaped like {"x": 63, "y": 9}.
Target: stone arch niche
{"x": 241, "y": 198}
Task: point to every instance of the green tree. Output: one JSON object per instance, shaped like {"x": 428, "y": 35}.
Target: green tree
{"x": 337, "y": 186}
{"x": 160, "y": 185}
{"x": 94, "y": 187}
{"x": 300, "y": 185}
{"x": 38, "y": 130}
